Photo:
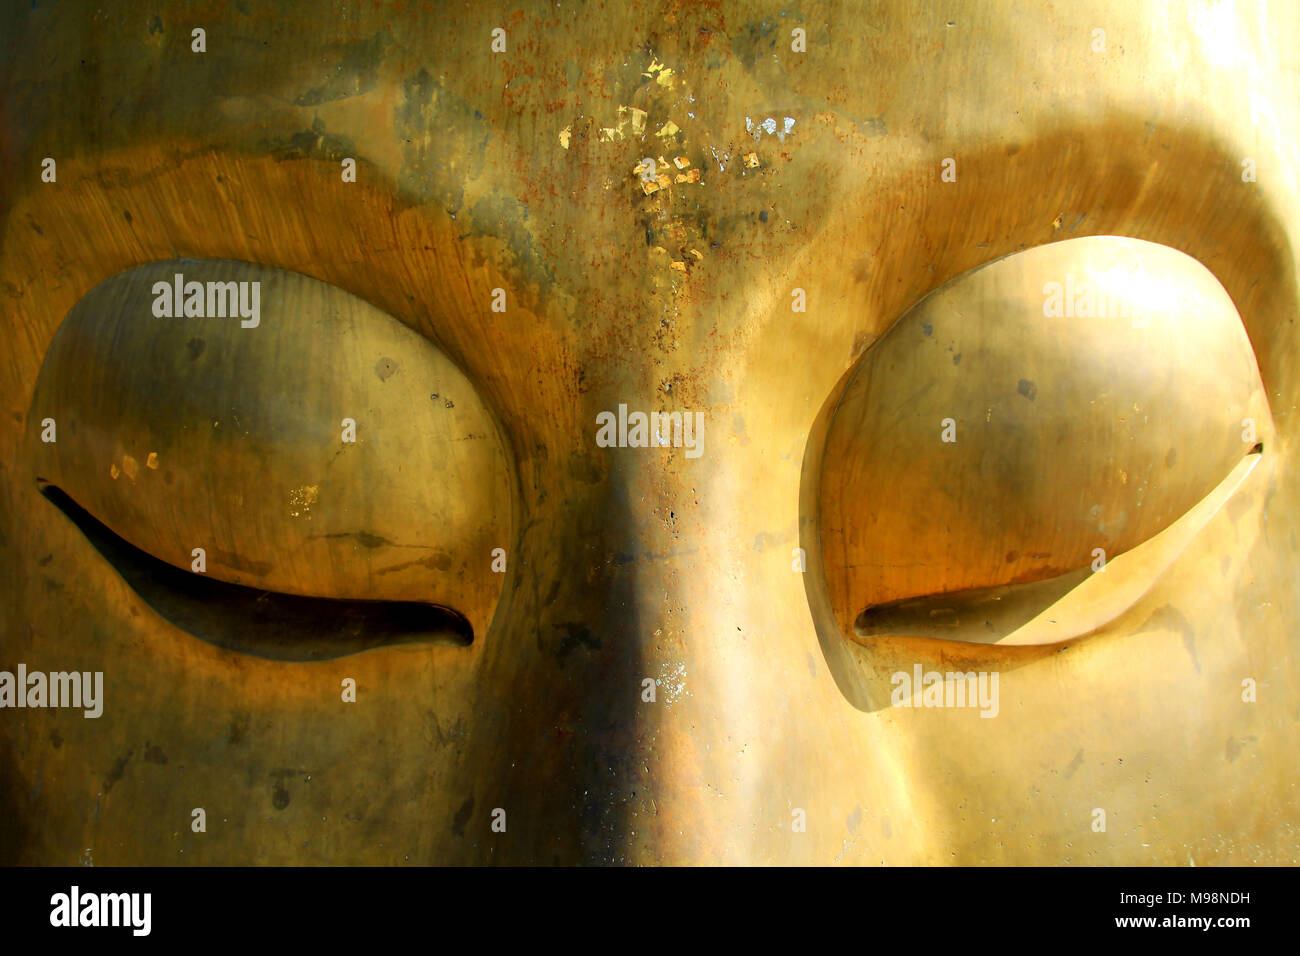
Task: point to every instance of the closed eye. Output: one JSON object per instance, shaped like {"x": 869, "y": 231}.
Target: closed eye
{"x": 342, "y": 480}
{"x": 1076, "y": 408}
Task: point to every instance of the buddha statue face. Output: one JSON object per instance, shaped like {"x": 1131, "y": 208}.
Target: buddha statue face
{"x": 665, "y": 433}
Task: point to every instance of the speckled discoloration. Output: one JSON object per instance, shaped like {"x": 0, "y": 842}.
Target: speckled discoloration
{"x": 463, "y": 186}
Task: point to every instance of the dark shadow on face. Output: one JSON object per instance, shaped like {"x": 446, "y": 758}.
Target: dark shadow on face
{"x": 565, "y": 665}
{"x": 284, "y": 627}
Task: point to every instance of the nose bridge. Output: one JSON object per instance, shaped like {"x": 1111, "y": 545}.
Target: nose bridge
{"x": 576, "y": 641}
{"x": 622, "y": 588}
{"x": 663, "y": 612}
{"x": 654, "y": 537}
{"x": 732, "y": 742}
{"x": 700, "y": 616}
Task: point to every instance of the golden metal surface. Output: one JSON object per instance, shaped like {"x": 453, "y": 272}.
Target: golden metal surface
{"x": 526, "y": 171}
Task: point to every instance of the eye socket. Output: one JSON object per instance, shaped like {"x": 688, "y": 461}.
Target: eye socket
{"x": 1023, "y": 427}
{"x": 344, "y": 480}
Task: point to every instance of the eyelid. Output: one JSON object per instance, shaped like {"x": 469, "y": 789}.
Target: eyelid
{"x": 1072, "y": 432}
{"x": 1056, "y": 609}
{"x": 188, "y": 432}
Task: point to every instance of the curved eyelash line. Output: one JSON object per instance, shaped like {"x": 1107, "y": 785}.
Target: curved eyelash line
{"x": 267, "y": 624}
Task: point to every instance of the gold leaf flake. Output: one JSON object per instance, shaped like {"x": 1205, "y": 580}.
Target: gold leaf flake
{"x": 301, "y": 500}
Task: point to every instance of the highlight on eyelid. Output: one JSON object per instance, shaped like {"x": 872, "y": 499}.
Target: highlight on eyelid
{"x": 1092, "y": 397}
{"x": 297, "y": 445}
